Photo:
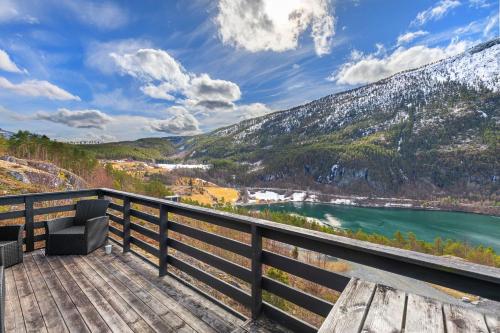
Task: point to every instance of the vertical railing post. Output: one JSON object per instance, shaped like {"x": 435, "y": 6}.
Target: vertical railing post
{"x": 163, "y": 240}
{"x": 256, "y": 305}
{"x": 29, "y": 224}
{"x": 126, "y": 224}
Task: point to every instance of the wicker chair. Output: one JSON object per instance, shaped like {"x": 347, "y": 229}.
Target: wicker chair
{"x": 11, "y": 240}
{"x": 81, "y": 234}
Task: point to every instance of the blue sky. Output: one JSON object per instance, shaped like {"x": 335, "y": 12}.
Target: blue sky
{"x": 104, "y": 70}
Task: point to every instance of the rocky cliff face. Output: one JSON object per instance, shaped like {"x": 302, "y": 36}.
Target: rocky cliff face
{"x": 19, "y": 175}
{"x": 432, "y": 130}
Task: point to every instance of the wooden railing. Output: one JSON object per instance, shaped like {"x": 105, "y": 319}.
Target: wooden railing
{"x": 472, "y": 278}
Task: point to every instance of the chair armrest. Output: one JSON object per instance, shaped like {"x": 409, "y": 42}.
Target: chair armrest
{"x": 58, "y": 224}
{"x": 11, "y": 232}
{"x": 96, "y": 225}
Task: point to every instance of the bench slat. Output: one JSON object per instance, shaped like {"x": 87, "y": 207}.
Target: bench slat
{"x": 386, "y": 311}
{"x": 423, "y": 315}
{"x": 350, "y": 310}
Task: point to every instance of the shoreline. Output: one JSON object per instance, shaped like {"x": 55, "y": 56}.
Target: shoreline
{"x": 385, "y": 203}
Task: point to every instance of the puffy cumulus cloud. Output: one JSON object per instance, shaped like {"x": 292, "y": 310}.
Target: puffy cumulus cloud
{"x": 182, "y": 122}
{"x": 6, "y": 64}
{"x": 204, "y": 88}
{"x": 165, "y": 78}
{"x": 161, "y": 91}
{"x": 99, "y": 54}
{"x": 253, "y": 110}
{"x": 76, "y": 118}
{"x": 370, "y": 68}
{"x": 439, "y": 10}
{"x": 37, "y": 88}
{"x": 270, "y": 25}
{"x": 409, "y": 36}
{"x": 152, "y": 65}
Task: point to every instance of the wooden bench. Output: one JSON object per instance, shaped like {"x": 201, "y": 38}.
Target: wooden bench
{"x": 368, "y": 307}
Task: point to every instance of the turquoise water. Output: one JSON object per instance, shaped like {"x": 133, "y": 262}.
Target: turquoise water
{"x": 427, "y": 225}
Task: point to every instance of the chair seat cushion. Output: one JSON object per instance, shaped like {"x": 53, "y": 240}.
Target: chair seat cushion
{"x": 74, "y": 230}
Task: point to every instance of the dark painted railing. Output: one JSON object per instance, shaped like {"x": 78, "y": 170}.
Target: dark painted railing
{"x": 472, "y": 278}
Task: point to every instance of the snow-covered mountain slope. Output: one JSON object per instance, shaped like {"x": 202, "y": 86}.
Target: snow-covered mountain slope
{"x": 477, "y": 69}
{"x": 5, "y": 134}
{"x": 409, "y": 122}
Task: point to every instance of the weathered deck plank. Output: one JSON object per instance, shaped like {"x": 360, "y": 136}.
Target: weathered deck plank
{"x": 107, "y": 293}
{"x": 423, "y": 315}
{"x": 51, "y": 315}
{"x": 208, "y": 312}
{"x": 176, "y": 313}
{"x": 386, "y": 311}
{"x": 14, "y": 319}
{"x": 131, "y": 317}
{"x": 133, "y": 300}
{"x": 462, "y": 320}
{"x": 112, "y": 319}
{"x": 349, "y": 311}
{"x": 89, "y": 313}
{"x": 158, "y": 308}
{"x": 31, "y": 312}
{"x": 70, "y": 313}
{"x": 493, "y": 322}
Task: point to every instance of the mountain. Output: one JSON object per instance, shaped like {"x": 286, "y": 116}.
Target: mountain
{"x": 142, "y": 149}
{"x": 423, "y": 132}
{"x": 5, "y": 134}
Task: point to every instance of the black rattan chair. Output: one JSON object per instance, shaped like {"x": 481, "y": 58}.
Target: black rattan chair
{"x": 81, "y": 234}
{"x": 11, "y": 240}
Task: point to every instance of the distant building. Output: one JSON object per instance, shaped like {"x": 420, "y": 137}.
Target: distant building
{"x": 174, "y": 198}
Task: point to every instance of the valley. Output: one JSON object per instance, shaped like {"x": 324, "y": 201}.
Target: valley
{"x": 429, "y": 134}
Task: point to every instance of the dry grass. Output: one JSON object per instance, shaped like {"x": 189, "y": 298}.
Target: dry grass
{"x": 455, "y": 293}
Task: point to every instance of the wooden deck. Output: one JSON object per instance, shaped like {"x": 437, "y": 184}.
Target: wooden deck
{"x": 366, "y": 307}
{"x": 99, "y": 293}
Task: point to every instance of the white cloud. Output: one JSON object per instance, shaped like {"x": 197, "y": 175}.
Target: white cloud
{"x": 160, "y": 91}
{"x": 436, "y": 12}
{"x": 480, "y": 3}
{"x": 8, "y": 11}
{"x": 6, "y": 64}
{"x": 11, "y": 11}
{"x": 166, "y": 79}
{"x": 409, "y": 36}
{"x": 101, "y": 14}
{"x": 371, "y": 68}
{"x": 253, "y": 110}
{"x": 152, "y": 65}
{"x": 492, "y": 27}
{"x": 76, "y": 118}
{"x": 37, "y": 88}
{"x": 270, "y": 25}
{"x": 203, "y": 88}
{"x": 181, "y": 123}
{"x": 98, "y": 54}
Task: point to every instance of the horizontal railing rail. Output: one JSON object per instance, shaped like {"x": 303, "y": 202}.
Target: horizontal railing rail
{"x": 155, "y": 240}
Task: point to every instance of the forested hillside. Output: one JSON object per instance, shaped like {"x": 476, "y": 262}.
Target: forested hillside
{"x": 424, "y": 132}
{"x": 142, "y": 149}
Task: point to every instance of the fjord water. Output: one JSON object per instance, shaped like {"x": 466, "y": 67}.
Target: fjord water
{"x": 475, "y": 229}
